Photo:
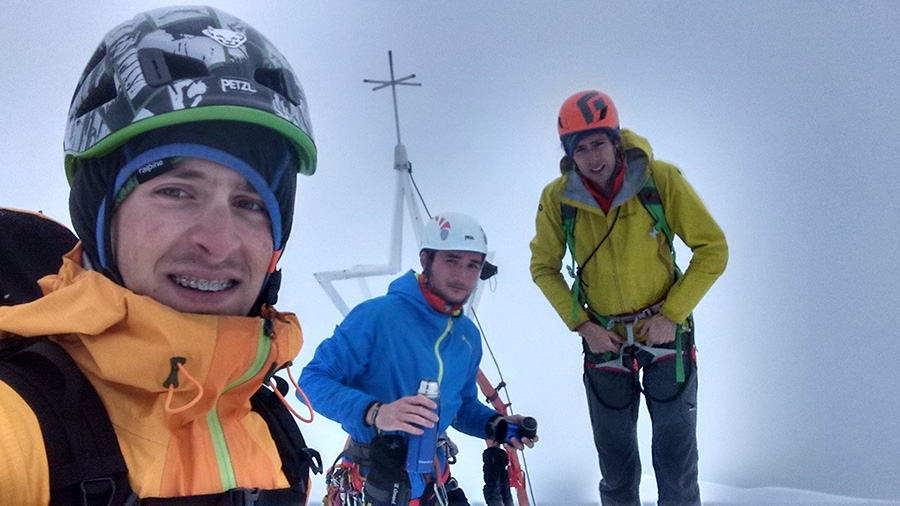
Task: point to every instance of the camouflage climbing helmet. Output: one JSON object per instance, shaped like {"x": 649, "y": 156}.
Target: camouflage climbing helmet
{"x": 180, "y": 65}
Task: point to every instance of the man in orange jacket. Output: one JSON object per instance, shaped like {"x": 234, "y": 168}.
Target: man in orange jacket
{"x": 184, "y": 139}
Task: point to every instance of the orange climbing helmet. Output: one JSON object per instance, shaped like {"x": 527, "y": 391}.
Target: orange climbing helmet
{"x": 587, "y": 110}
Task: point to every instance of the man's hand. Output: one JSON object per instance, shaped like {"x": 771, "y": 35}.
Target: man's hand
{"x": 658, "y": 329}
{"x": 407, "y": 414}
{"x": 599, "y": 339}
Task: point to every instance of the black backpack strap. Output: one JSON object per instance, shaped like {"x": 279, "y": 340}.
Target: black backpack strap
{"x": 31, "y": 246}
{"x": 86, "y": 464}
{"x": 297, "y": 459}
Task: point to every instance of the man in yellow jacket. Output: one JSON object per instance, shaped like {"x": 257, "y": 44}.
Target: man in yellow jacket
{"x": 184, "y": 139}
{"x": 616, "y": 210}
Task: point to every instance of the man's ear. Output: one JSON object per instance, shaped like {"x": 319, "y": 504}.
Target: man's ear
{"x": 566, "y": 164}
{"x": 423, "y": 259}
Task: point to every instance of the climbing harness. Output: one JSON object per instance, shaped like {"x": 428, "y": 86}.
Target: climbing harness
{"x": 634, "y": 356}
{"x": 344, "y": 484}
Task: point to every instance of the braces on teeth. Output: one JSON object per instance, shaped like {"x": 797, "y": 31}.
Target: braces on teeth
{"x": 202, "y": 284}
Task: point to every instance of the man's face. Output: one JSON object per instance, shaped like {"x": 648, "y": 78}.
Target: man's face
{"x": 454, "y": 274}
{"x": 595, "y": 156}
{"x": 197, "y": 239}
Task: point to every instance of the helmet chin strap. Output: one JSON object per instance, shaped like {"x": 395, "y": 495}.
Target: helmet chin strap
{"x": 269, "y": 294}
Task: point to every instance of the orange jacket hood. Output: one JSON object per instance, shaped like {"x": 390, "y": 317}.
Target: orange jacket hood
{"x": 196, "y": 436}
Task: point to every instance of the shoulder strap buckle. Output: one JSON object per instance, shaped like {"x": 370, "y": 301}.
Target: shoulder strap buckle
{"x": 95, "y": 490}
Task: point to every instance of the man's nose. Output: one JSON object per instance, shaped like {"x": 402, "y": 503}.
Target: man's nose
{"x": 215, "y": 231}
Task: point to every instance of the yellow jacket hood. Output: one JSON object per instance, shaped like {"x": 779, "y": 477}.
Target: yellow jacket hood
{"x": 638, "y": 156}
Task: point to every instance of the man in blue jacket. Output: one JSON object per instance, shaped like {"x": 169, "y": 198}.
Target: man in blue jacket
{"x": 367, "y": 374}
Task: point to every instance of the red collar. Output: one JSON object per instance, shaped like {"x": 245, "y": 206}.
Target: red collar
{"x": 434, "y": 300}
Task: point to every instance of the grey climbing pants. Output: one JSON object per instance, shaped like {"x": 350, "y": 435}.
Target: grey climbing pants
{"x": 613, "y": 400}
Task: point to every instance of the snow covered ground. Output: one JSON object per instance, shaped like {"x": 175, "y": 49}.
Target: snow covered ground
{"x": 714, "y": 494}
{"x": 718, "y": 495}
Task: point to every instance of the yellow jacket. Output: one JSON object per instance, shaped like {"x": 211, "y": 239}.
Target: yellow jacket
{"x": 633, "y": 269}
{"x": 123, "y": 342}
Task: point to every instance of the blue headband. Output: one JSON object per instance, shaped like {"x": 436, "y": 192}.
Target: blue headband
{"x": 194, "y": 151}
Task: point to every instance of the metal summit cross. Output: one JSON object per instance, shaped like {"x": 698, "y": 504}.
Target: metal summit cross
{"x": 404, "y": 193}
{"x": 393, "y": 84}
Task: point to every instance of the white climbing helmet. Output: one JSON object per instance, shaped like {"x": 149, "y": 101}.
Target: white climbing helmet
{"x": 454, "y": 231}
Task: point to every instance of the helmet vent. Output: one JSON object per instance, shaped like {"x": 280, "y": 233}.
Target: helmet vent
{"x": 160, "y": 68}
{"x": 98, "y": 56}
{"x": 104, "y": 92}
{"x": 280, "y": 81}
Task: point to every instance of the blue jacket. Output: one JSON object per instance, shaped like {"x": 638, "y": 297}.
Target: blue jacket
{"x": 380, "y": 352}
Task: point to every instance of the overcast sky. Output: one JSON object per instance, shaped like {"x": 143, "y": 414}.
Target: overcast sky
{"x": 783, "y": 115}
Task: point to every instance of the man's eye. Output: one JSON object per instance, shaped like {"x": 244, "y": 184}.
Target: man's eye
{"x": 251, "y": 205}
{"x": 172, "y": 192}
